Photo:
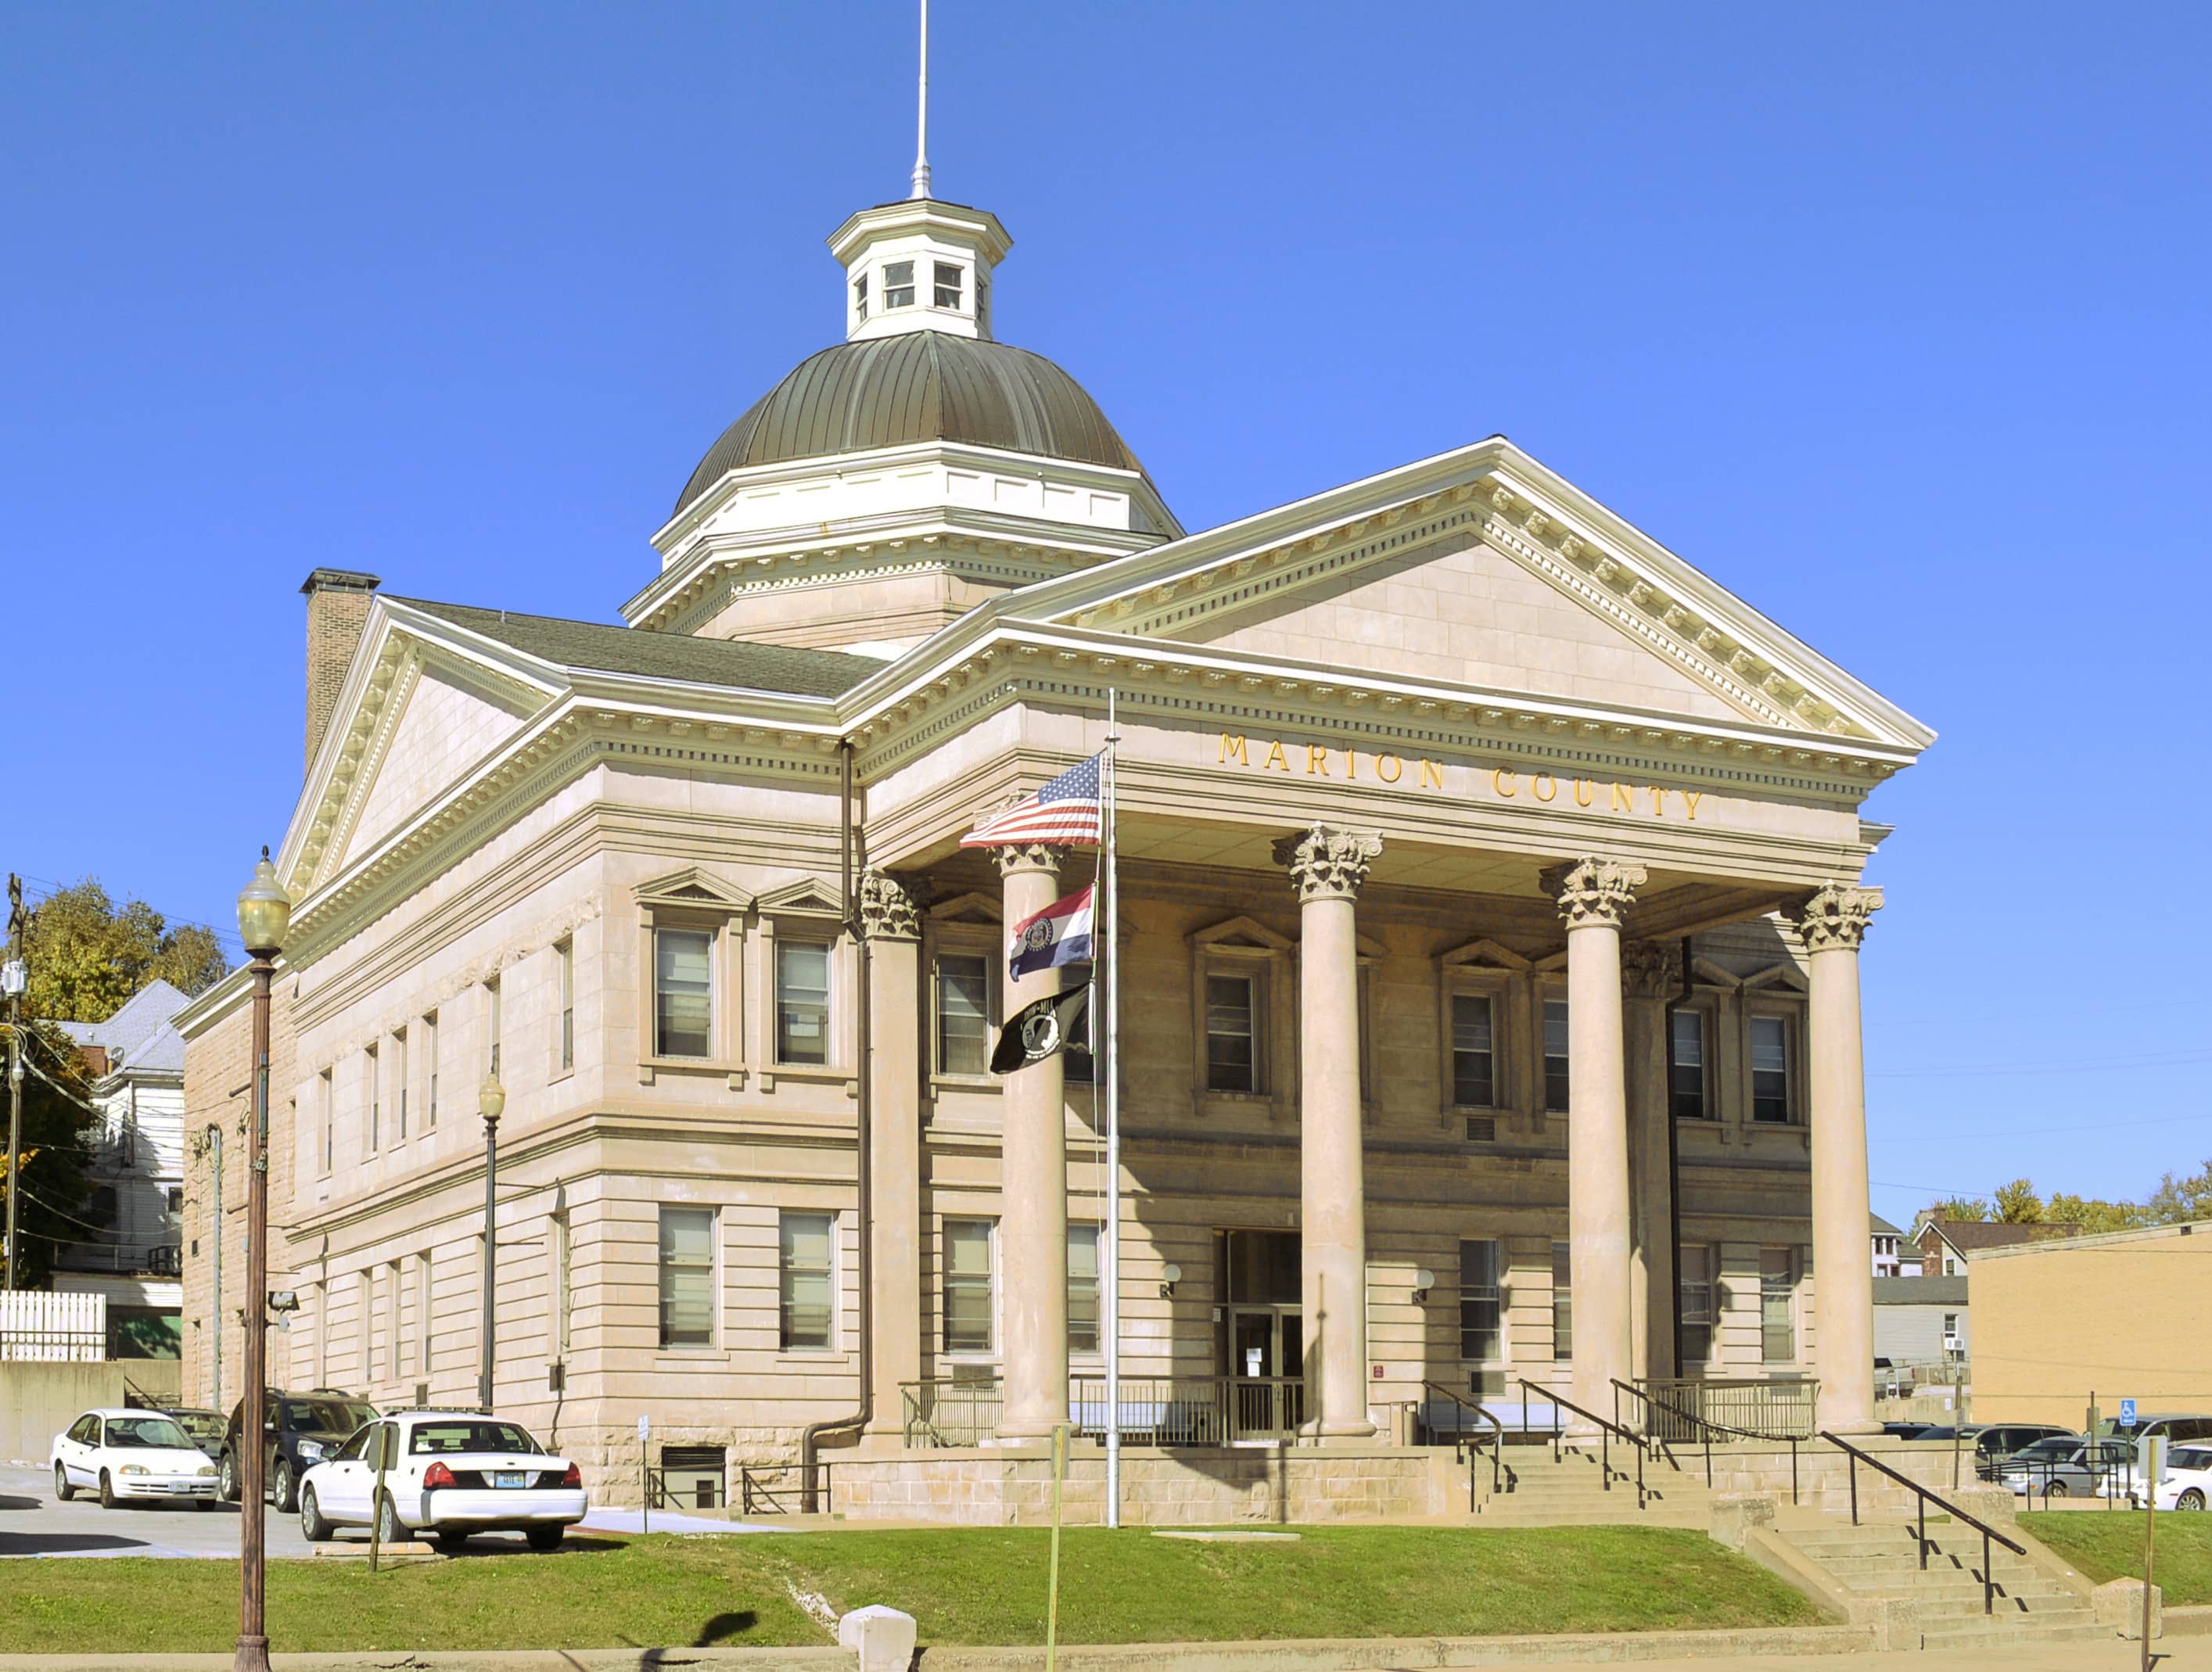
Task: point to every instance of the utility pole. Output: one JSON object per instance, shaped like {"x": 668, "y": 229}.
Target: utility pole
{"x": 13, "y": 980}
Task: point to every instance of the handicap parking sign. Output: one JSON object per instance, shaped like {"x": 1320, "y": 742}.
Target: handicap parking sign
{"x": 2127, "y": 1414}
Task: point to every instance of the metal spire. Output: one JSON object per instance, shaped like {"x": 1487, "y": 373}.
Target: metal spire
{"x": 922, "y": 120}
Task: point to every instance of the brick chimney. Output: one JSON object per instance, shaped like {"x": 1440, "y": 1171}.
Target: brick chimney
{"x": 337, "y": 610}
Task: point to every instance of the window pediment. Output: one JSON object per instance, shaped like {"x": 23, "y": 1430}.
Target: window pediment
{"x": 1787, "y": 976}
{"x": 694, "y": 889}
{"x": 971, "y": 909}
{"x": 1243, "y": 935}
{"x": 1483, "y": 954}
{"x": 807, "y": 898}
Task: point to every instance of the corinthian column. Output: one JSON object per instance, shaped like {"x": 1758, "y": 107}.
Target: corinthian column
{"x": 1651, "y": 975}
{"x": 1593, "y": 893}
{"x": 1833, "y": 922}
{"x": 890, "y": 924}
{"x": 1326, "y": 866}
{"x": 1033, "y": 1187}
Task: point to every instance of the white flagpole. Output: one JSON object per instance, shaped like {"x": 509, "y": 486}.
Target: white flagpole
{"x": 1108, "y": 1066}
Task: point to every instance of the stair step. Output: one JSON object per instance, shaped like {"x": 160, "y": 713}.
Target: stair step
{"x": 1968, "y": 1637}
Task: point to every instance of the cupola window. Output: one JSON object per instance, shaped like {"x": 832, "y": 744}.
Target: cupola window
{"x": 861, "y": 300}
{"x": 898, "y": 284}
{"x": 948, "y": 285}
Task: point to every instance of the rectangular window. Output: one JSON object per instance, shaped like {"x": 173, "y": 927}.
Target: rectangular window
{"x": 365, "y": 1326}
{"x": 963, "y": 985}
{"x": 969, "y": 1304}
{"x": 861, "y": 300}
{"x": 898, "y": 284}
{"x": 686, "y": 1277}
{"x": 375, "y": 1099}
{"x": 1474, "y": 1058}
{"x": 430, "y": 1070}
{"x": 394, "y": 1341}
{"x": 492, "y": 1034}
{"x": 683, "y": 993}
{"x": 1083, "y": 1287}
{"x": 1563, "y": 1302}
{"x": 1777, "y": 1311}
{"x": 323, "y": 1095}
{"x": 565, "y": 952}
{"x": 1231, "y": 1059}
{"x": 983, "y": 305}
{"x": 1555, "y": 1055}
{"x": 1696, "y": 1304}
{"x": 1480, "y": 1336}
{"x": 802, "y": 1002}
{"x": 808, "y": 1280}
{"x": 399, "y": 1084}
{"x": 1686, "y": 1076}
{"x": 423, "y": 1319}
{"x": 949, "y": 281}
{"x": 1770, "y": 1069}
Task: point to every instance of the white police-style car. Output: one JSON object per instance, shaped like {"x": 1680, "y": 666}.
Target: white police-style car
{"x": 448, "y": 1474}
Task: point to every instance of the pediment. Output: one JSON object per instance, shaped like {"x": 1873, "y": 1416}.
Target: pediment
{"x": 1244, "y": 935}
{"x": 809, "y": 896}
{"x": 1479, "y": 570}
{"x": 1483, "y": 954}
{"x": 693, "y": 888}
{"x": 980, "y": 909}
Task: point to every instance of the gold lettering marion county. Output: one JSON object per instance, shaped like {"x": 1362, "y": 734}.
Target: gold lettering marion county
{"x": 1502, "y": 782}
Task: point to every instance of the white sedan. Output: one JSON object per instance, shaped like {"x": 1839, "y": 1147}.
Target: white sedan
{"x": 2186, "y": 1483}
{"x": 448, "y": 1474}
{"x": 124, "y": 1454}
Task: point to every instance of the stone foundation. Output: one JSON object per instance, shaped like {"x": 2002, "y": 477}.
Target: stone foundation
{"x": 1011, "y": 1487}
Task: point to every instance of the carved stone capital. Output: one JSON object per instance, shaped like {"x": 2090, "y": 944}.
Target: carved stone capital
{"x": 1835, "y": 917}
{"x": 1593, "y": 890}
{"x": 1027, "y": 857}
{"x": 889, "y": 910}
{"x": 1651, "y": 969}
{"x": 1328, "y": 862}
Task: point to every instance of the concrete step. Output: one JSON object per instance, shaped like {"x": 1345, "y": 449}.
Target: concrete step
{"x": 1994, "y": 1634}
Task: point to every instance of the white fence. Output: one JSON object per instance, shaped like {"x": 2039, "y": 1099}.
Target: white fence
{"x": 60, "y": 1329}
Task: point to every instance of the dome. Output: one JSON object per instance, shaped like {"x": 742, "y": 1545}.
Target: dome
{"x": 920, "y": 385}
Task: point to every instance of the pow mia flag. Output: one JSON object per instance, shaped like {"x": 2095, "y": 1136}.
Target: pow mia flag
{"x": 1043, "y": 1027}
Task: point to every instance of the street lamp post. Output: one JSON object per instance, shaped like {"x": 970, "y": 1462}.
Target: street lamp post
{"x": 491, "y": 1098}
{"x": 264, "y": 911}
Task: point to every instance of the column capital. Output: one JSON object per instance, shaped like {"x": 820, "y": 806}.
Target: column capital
{"x": 1651, "y": 969}
{"x": 889, "y": 910}
{"x": 1020, "y": 856}
{"x": 1328, "y": 862}
{"x": 1593, "y": 890}
{"x": 1835, "y": 917}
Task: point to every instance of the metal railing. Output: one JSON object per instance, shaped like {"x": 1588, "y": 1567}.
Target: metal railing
{"x": 777, "y": 1488}
{"x": 1468, "y": 1414}
{"x": 1763, "y": 1409}
{"x": 1608, "y": 1433}
{"x": 1155, "y": 1410}
{"x": 1921, "y": 1498}
{"x": 1667, "y": 1423}
{"x": 948, "y": 1414}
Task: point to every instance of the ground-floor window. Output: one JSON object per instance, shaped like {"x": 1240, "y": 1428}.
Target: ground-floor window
{"x": 1563, "y": 1302}
{"x": 1083, "y": 1291}
{"x": 807, "y": 1259}
{"x": 970, "y": 1306}
{"x": 1481, "y": 1334}
{"x": 1696, "y": 1304}
{"x": 1777, "y": 1305}
{"x": 686, "y": 1277}
{"x": 1556, "y": 1056}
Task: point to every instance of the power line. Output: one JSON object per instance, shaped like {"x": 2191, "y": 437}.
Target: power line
{"x": 45, "y": 888}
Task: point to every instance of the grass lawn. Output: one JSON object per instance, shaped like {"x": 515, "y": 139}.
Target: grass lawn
{"x": 962, "y": 1585}
{"x": 2110, "y": 1546}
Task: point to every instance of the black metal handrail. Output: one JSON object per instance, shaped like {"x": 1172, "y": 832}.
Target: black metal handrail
{"x": 1704, "y": 1427}
{"x": 1924, "y": 1498}
{"x": 1496, "y": 1441}
{"x": 771, "y": 1489}
{"x": 1607, "y": 1433}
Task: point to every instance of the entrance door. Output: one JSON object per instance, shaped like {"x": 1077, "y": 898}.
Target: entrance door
{"x": 1266, "y": 1350}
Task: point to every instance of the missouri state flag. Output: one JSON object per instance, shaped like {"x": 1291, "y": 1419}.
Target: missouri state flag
{"x": 1059, "y": 934}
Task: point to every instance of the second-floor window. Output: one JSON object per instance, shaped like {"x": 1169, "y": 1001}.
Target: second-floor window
{"x": 963, "y": 995}
{"x": 399, "y": 1084}
{"x": 802, "y": 1002}
{"x": 1686, "y": 1076}
{"x": 491, "y": 1025}
{"x": 1231, "y": 1034}
{"x": 683, "y": 993}
{"x": 1770, "y": 1069}
{"x": 1556, "y": 1049}
{"x": 564, "y": 952}
{"x": 1475, "y": 1082}
{"x": 325, "y": 1108}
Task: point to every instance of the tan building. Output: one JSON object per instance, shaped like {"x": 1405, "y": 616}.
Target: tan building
{"x": 2062, "y": 1324}
{"x": 1492, "y": 918}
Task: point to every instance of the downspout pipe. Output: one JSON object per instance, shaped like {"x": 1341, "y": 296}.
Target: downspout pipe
{"x": 810, "y": 1437}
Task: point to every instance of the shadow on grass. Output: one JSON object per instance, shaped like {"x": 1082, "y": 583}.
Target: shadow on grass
{"x": 724, "y": 1626}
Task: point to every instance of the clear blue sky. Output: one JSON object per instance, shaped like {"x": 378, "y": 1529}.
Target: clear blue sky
{"x": 1892, "y": 317}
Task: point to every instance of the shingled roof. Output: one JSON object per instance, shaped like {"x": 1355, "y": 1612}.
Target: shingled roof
{"x": 600, "y": 647}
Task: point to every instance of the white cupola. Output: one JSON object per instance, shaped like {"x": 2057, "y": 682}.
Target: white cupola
{"x": 919, "y": 265}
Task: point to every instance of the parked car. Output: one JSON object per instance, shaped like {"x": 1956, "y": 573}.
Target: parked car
{"x": 204, "y": 1429}
{"x": 2064, "y": 1466}
{"x": 1904, "y": 1431}
{"x": 2179, "y": 1427}
{"x": 2000, "y": 1440}
{"x": 299, "y": 1430}
{"x": 124, "y": 1454}
{"x": 450, "y": 1474}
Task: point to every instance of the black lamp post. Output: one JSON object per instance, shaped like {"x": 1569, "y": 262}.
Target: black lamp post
{"x": 264, "y": 912}
{"x": 491, "y": 1099}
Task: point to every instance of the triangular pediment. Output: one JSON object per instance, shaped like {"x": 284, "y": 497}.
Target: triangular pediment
{"x": 809, "y": 896}
{"x": 1241, "y": 934}
{"x": 1483, "y": 954}
{"x": 1483, "y": 571}
{"x": 694, "y": 888}
{"x": 980, "y": 909}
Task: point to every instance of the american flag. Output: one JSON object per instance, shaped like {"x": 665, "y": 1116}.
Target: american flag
{"x": 1066, "y": 810}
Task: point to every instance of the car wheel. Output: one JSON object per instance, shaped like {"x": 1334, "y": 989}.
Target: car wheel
{"x": 226, "y": 1478}
{"x": 107, "y": 1491}
{"x": 452, "y": 1540}
{"x": 388, "y": 1529}
{"x": 312, "y": 1527}
{"x": 62, "y": 1490}
{"x": 287, "y": 1498}
{"x": 2058, "y": 1489}
{"x": 2191, "y": 1500}
{"x": 544, "y": 1538}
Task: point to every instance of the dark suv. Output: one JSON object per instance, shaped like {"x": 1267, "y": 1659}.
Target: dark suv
{"x": 300, "y": 1430}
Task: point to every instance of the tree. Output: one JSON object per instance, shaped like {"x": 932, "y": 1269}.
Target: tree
{"x": 87, "y": 955}
{"x": 2094, "y": 1215}
{"x": 58, "y": 1128}
{"x": 1969, "y": 1210}
{"x": 2179, "y": 1200}
{"x": 2018, "y": 1204}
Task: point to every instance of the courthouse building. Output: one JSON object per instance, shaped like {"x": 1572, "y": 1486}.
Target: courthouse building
{"x": 1492, "y": 917}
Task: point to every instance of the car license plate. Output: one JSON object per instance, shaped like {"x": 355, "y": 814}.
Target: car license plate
{"x": 506, "y": 1478}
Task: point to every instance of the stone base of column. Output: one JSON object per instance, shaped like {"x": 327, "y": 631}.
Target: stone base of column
{"x": 1337, "y": 1433}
